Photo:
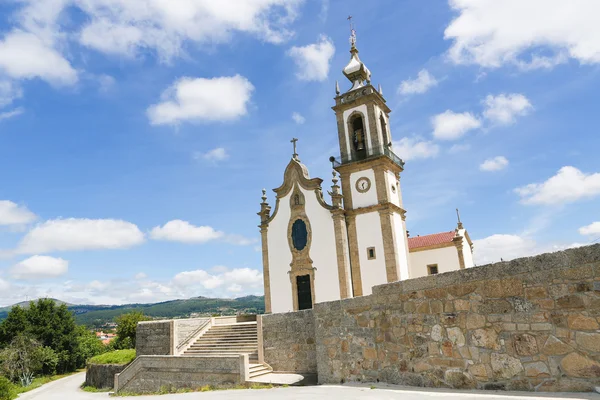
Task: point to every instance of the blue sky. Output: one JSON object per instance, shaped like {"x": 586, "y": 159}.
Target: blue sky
{"x": 136, "y": 135}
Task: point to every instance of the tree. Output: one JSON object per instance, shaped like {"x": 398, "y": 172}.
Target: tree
{"x": 126, "y": 329}
{"x": 50, "y": 325}
{"x": 26, "y": 357}
{"x": 89, "y": 346}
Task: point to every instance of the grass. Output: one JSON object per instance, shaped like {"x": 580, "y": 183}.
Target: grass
{"x": 205, "y": 388}
{"x": 114, "y": 357}
{"x": 92, "y": 389}
{"x": 40, "y": 381}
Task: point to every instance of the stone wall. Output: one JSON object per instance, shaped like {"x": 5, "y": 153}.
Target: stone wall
{"x": 151, "y": 373}
{"x": 289, "y": 342}
{"x": 528, "y": 324}
{"x": 102, "y": 376}
{"x": 154, "y": 338}
{"x": 185, "y": 327}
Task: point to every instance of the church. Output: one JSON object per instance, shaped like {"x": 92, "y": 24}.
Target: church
{"x": 314, "y": 251}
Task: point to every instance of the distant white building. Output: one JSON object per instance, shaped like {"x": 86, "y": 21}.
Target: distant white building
{"x": 314, "y": 251}
{"x": 440, "y": 252}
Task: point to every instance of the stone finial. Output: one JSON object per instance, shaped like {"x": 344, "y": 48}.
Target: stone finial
{"x": 337, "y": 88}
{"x": 336, "y": 196}
{"x": 265, "y": 208}
{"x": 460, "y": 224}
{"x": 379, "y": 89}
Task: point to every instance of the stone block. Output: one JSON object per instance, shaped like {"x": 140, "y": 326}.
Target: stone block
{"x": 486, "y": 338}
{"x": 555, "y": 346}
{"x": 525, "y": 345}
{"x": 456, "y": 336}
{"x": 577, "y": 365}
{"x": 588, "y": 341}
{"x": 538, "y": 292}
{"x": 475, "y": 321}
{"x": 503, "y": 288}
{"x": 582, "y": 323}
{"x": 570, "y": 302}
{"x": 505, "y": 366}
{"x": 536, "y": 370}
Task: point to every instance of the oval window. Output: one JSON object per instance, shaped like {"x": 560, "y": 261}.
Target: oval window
{"x": 299, "y": 234}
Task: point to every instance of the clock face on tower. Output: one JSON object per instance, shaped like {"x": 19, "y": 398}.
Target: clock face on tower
{"x": 363, "y": 185}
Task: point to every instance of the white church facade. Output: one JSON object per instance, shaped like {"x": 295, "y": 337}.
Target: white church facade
{"x": 314, "y": 251}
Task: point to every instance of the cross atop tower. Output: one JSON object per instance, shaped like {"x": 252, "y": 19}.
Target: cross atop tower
{"x": 294, "y": 141}
{"x": 352, "y": 32}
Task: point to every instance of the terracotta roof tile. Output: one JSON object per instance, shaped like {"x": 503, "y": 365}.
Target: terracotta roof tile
{"x": 430, "y": 240}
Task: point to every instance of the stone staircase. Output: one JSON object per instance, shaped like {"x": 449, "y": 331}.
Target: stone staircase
{"x": 231, "y": 339}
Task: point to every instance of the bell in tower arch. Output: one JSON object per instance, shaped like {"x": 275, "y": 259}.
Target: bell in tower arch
{"x": 360, "y": 139}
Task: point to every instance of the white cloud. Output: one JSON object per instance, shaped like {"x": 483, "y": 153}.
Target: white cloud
{"x": 451, "y": 126}
{"x": 80, "y": 234}
{"x": 24, "y": 55}
{"x": 239, "y": 240}
{"x": 313, "y": 60}
{"x": 125, "y": 26}
{"x": 140, "y": 276}
{"x": 591, "y": 229}
{"x": 9, "y": 92}
{"x": 422, "y": 83}
{"x": 503, "y": 109}
{"x": 182, "y": 231}
{"x": 4, "y": 286}
{"x": 10, "y": 114}
{"x": 198, "y": 277}
{"x": 106, "y": 83}
{"x": 214, "y": 155}
{"x": 459, "y": 148}
{"x": 507, "y": 247}
{"x": 39, "y": 267}
{"x": 200, "y": 99}
{"x": 493, "y": 33}
{"x": 241, "y": 277}
{"x": 13, "y": 214}
{"x": 415, "y": 148}
{"x": 494, "y": 164}
{"x": 298, "y": 118}
{"x": 567, "y": 186}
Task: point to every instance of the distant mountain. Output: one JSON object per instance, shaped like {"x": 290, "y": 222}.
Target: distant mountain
{"x": 97, "y": 316}
{"x": 25, "y": 304}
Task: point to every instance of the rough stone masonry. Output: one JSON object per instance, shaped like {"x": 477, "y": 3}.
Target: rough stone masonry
{"x": 529, "y": 324}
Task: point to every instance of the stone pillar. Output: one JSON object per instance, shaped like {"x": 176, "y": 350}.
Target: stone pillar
{"x": 354, "y": 255}
{"x": 341, "y": 247}
{"x": 458, "y": 242}
{"x": 389, "y": 244}
{"x": 266, "y": 277}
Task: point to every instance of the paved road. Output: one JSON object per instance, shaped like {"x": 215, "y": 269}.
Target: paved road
{"x": 68, "y": 389}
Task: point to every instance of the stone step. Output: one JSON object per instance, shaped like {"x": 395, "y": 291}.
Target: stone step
{"x": 228, "y": 351}
{"x": 263, "y": 371}
{"x": 234, "y": 340}
{"x": 222, "y": 345}
{"x": 234, "y": 328}
{"x": 230, "y": 334}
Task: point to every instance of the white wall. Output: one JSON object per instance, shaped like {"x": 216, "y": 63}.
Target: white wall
{"x": 467, "y": 254}
{"x": 390, "y": 179}
{"x": 446, "y": 258}
{"x": 372, "y": 272}
{"x": 363, "y": 109}
{"x": 363, "y": 199}
{"x": 323, "y": 250}
{"x": 280, "y": 258}
{"x": 401, "y": 248}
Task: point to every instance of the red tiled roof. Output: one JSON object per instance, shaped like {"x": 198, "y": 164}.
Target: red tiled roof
{"x": 430, "y": 240}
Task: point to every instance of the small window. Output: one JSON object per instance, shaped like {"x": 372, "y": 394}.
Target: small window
{"x": 432, "y": 269}
{"x": 371, "y": 253}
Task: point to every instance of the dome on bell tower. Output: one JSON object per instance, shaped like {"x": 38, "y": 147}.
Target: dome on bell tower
{"x": 356, "y": 71}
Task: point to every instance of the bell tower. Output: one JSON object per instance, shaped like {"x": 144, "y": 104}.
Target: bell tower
{"x": 370, "y": 175}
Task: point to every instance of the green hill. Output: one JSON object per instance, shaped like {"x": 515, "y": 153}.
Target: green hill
{"x": 97, "y": 316}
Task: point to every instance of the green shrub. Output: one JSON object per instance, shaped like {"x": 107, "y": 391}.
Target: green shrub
{"x": 6, "y": 389}
{"x": 114, "y": 357}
